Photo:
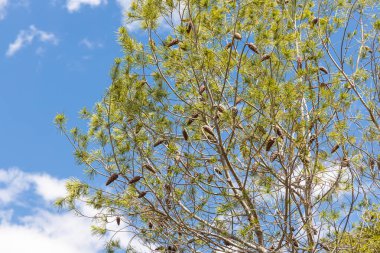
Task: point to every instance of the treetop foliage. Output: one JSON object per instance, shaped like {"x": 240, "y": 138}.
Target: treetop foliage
{"x": 236, "y": 126}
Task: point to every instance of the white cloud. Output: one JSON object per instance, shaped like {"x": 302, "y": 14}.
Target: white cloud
{"x": 5, "y": 217}
{"x": 75, "y": 5}
{"x": 3, "y": 5}
{"x": 125, "y": 5}
{"x": 47, "y": 232}
{"x": 26, "y": 37}
{"x": 47, "y": 187}
{"x": 90, "y": 44}
{"x": 333, "y": 177}
{"x": 17, "y": 182}
{"x": 44, "y": 229}
{"x": 13, "y": 185}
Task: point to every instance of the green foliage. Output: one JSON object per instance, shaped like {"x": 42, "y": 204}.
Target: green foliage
{"x": 60, "y": 120}
{"x": 228, "y": 113}
{"x": 364, "y": 237}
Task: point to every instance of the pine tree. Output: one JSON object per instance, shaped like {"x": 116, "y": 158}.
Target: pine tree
{"x": 236, "y": 126}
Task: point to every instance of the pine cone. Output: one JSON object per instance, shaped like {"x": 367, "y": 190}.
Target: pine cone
{"x": 265, "y": 57}
{"x": 270, "y": 143}
{"x": 173, "y": 42}
{"x": 335, "y": 148}
{"x": 193, "y": 117}
{"x": 185, "y": 135}
{"x": 202, "y": 89}
{"x": 323, "y": 69}
{"x": 278, "y": 131}
{"x": 253, "y": 48}
{"x": 149, "y": 167}
{"x": 112, "y": 178}
{"x": 189, "y": 27}
{"x": 142, "y": 194}
{"x": 135, "y": 179}
{"x": 237, "y": 36}
{"x": 159, "y": 142}
{"x": 208, "y": 130}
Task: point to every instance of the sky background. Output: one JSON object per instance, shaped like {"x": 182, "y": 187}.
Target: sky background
{"x": 55, "y": 57}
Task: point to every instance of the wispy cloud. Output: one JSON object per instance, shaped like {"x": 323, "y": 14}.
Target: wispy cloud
{"x": 75, "y": 5}
{"x": 15, "y": 182}
{"x": 125, "y": 5}
{"x": 43, "y": 229}
{"x": 45, "y": 232}
{"x": 26, "y": 37}
{"x": 3, "y": 6}
{"x": 90, "y": 44}
{"x": 14, "y": 185}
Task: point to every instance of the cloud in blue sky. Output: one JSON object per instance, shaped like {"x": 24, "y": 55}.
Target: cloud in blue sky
{"x": 16, "y": 182}
{"x": 26, "y": 37}
{"x": 75, "y": 5}
{"x": 3, "y": 5}
{"x": 124, "y": 4}
{"x": 89, "y": 44}
{"x": 43, "y": 229}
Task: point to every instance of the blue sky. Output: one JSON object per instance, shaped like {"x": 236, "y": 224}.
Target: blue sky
{"x": 55, "y": 56}
{"x": 60, "y": 73}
